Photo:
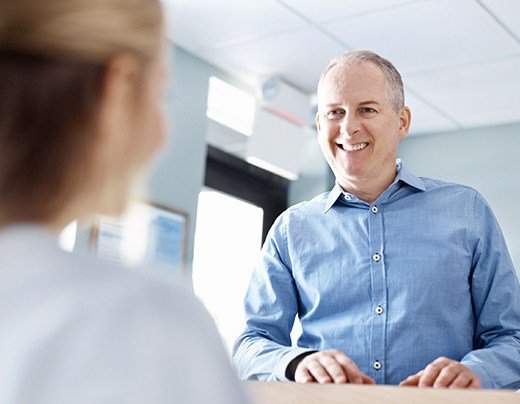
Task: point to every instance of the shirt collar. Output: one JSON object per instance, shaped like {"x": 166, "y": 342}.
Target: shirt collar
{"x": 334, "y": 194}
{"x": 403, "y": 174}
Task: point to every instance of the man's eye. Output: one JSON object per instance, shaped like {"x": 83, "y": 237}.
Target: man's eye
{"x": 368, "y": 110}
{"x": 333, "y": 112}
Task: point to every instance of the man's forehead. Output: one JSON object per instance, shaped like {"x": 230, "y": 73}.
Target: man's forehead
{"x": 353, "y": 72}
{"x": 359, "y": 79}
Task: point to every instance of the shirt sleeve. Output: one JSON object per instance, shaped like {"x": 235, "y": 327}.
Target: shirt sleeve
{"x": 496, "y": 300}
{"x": 263, "y": 351}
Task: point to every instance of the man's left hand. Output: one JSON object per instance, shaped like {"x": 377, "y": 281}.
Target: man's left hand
{"x": 444, "y": 373}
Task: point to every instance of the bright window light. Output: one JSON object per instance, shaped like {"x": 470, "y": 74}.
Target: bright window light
{"x": 230, "y": 106}
{"x": 228, "y": 239}
{"x": 67, "y": 237}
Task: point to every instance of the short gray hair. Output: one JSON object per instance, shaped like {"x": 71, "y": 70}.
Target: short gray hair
{"x": 394, "y": 82}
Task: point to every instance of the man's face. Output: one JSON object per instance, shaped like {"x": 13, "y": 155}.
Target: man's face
{"x": 358, "y": 129}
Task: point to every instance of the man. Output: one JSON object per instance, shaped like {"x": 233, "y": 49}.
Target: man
{"x": 395, "y": 279}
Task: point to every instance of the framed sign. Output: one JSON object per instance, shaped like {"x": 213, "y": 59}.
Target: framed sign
{"x": 147, "y": 235}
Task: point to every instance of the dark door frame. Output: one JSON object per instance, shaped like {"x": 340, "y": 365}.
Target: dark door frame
{"x": 236, "y": 177}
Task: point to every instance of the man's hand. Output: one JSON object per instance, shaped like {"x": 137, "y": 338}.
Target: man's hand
{"x": 444, "y": 373}
{"x": 330, "y": 366}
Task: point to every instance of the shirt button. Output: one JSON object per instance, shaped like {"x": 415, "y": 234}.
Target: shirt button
{"x": 377, "y": 365}
{"x": 376, "y": 257}
{"x": 379, "y": 310}
{"x": 374, "y": 209}
{"x": 348, "y": 197}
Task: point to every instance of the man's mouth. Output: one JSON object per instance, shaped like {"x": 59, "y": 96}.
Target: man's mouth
{"x": 352, "y": 147}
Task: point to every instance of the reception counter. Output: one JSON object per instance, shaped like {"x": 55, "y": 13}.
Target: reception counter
{"x": 293, "y": 393}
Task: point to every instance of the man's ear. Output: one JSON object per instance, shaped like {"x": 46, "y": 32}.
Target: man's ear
{"x": 318, "y": 125}
{"x": 405, "y": 118}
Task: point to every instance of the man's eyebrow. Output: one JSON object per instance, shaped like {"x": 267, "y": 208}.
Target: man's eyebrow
{"x": 333, "y": 104}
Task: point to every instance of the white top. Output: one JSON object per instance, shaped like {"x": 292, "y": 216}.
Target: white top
{"x": 75, "y": 330}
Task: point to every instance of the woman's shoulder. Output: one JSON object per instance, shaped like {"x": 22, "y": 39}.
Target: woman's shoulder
{"x": 31, "y": 260}
{"x": 107, "y": 323}
{"x": 140, "y": 289}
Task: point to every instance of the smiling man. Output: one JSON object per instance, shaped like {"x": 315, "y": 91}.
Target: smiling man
{"x": 396, "y": 279}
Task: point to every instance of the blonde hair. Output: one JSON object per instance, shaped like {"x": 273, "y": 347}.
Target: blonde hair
{"x": 394, "y": 82}
{"x": 88, "y": 30}
{"x": 53, "y": 59}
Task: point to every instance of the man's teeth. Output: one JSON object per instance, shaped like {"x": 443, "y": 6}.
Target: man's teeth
{"x": 355, "y": 147}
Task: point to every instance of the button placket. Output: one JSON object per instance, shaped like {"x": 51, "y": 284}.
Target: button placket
{"x": 378, "y": 278}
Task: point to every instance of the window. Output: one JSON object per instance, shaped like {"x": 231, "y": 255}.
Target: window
{"x": 230, "y": 106}
{"x": 235, "y": 211}
{"x": 227, "y": 244}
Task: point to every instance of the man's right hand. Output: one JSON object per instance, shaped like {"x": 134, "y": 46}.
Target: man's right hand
{"x": 331, "y": 366}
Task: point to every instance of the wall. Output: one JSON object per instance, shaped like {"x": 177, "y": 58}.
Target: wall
{"x": 486, "y": 159}
{"x": 177, "y": 177}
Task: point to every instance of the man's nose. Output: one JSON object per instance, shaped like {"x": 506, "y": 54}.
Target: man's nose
{"x": 350, "y": 124}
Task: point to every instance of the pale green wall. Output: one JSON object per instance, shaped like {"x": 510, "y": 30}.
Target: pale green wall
{"x": 178, "y": 175}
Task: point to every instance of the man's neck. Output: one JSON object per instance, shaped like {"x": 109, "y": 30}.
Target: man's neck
{"x": 369, "y": 190}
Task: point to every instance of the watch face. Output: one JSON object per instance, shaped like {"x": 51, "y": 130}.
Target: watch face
{"x": 270, "y": 88}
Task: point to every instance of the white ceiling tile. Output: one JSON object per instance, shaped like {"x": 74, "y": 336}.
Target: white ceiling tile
{"x": 482, "y": 94}
{"x": 327, "y": 10}
{"x": 507, "y": 11}
{"x": 426, "y": 119}
{"x": 428, "y": 35}
{"x": 206, "y": 24}
{"x": 298, "y": 57}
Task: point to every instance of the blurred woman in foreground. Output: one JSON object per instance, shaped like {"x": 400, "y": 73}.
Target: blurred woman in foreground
{"x": 80, "y": 118}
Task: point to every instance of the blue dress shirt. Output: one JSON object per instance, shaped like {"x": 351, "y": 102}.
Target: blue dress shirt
{"x": 422, "y": 272}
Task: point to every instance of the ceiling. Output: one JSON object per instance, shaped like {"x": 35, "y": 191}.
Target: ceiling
{"x": 460, "y": 59}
